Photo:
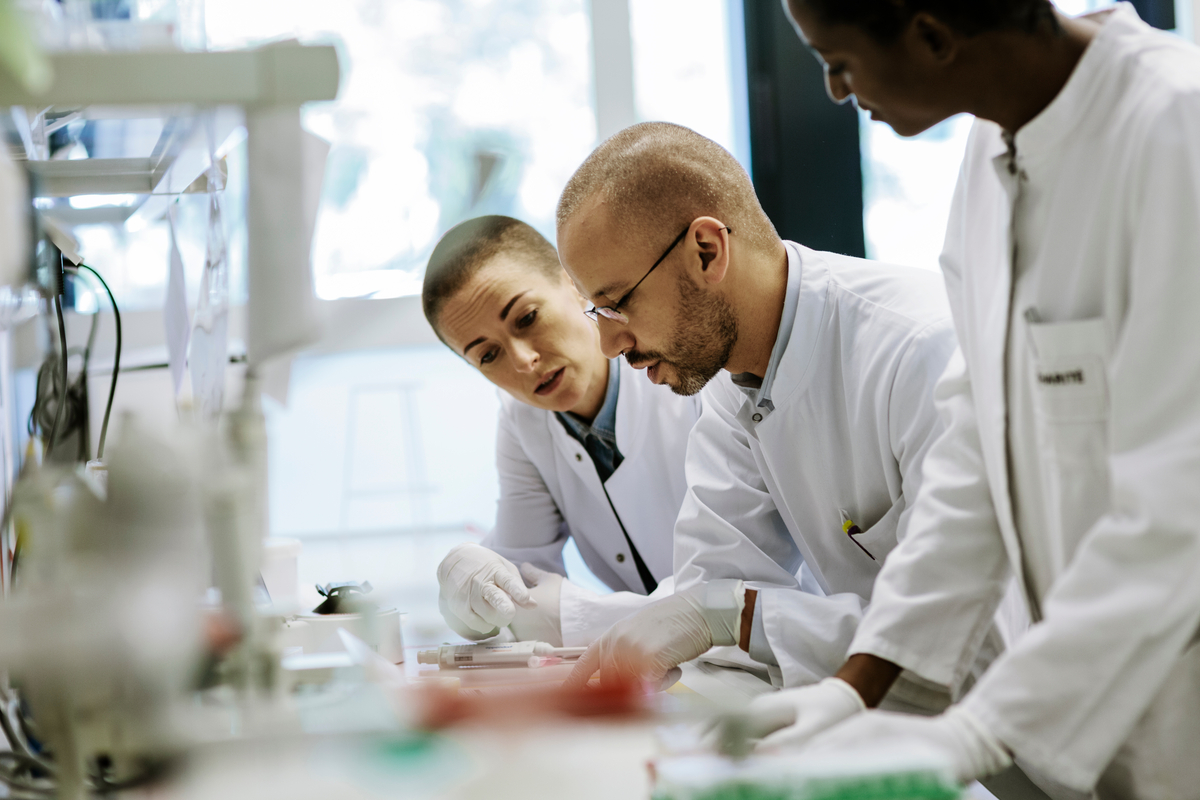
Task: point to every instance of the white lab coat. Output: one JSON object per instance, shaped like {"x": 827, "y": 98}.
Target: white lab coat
{"x": 852, "y": 421}
{"x": 1105, "y": 205}
{"x": 549, "y": 490}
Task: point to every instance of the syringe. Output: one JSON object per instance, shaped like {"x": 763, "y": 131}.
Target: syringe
{"x": 510, "y": 654}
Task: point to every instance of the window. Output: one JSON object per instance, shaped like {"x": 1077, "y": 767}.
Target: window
{"x": 448, "y": 109}
{"x": 907, "y": 188}
{"x": 908, "y": 183}
{"x": 690, "y": 68}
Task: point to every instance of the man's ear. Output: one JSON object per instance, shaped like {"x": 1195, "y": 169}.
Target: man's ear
{"x": 931, "y": 40}
{"x": 711, "y": 237}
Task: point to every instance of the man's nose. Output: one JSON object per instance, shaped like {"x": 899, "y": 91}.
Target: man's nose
{"x": 615, "y": 338}
{"x": 525, "y": 358}
{"x": 837, "y": 88}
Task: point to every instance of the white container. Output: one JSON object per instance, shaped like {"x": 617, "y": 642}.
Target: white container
{"x": 281, "y": 572}
{"x": 380, "y": 630}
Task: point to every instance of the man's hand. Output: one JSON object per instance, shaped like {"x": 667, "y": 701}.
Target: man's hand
{"x": 968, "y": 746}
{"x": 664, "y": 634}
{"x": 479, "y": 591}
{"x": 791, "y": 717}
{"x": 542, "y": 623}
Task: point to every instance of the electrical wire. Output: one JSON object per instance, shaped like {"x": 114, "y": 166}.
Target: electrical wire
{"x": 49, "y": 394}
{"x": 62, "y": 400}
{"x": 112, "y": 387}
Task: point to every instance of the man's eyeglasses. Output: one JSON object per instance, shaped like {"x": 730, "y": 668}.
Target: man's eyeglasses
{"x": 614, "y": 312}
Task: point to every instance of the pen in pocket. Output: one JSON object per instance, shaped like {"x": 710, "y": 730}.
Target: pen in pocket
{"x": 852, "y": 530}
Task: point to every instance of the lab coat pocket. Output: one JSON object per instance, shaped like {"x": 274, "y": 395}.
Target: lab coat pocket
{"x": 1070, "y": 397}
{"x": 880, "y": 538}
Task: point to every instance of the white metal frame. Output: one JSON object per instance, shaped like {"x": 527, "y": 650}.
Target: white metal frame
{"x": 261, "y": 89}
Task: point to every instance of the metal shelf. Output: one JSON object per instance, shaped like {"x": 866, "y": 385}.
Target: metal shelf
{"x": 278, "y": 74}
{"x": 208, "y": 103}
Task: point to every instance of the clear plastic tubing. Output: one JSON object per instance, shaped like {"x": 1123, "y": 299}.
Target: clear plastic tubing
{"x": 509, "y": 654}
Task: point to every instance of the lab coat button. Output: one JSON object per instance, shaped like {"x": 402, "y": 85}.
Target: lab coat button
{"x": 620, "y": 558}
{"x": 579, "y": 457}
{"x": 757, "y": 418}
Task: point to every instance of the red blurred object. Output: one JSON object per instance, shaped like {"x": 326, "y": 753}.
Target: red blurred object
{"x": 442, "y": 708}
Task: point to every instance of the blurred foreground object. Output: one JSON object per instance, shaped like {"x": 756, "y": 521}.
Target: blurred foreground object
{"x": 900, "y": 774}
{"x": 102, "y": 631}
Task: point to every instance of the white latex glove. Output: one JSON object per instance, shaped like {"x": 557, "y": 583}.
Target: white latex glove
{"x": 791, "y": 717}
{"x": 479, "y": 591}
{"x": 958, "y": 734}
{"x": 540, "y": 624}
{"x": 664, "y": 634}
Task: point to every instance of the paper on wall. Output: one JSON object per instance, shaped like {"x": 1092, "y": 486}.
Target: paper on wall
{"x": 175, "y": 311}
{"x": 209, "y": 353}
{"x": 287, "y": 170}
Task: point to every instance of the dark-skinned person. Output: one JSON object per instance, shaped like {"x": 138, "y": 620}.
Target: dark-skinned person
{"x": 1071, "y": 452}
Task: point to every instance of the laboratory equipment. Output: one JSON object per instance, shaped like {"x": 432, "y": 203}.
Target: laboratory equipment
{"x": 102, "y": 631}
{"x": 280, "y": 571}
{"x": 379, "y": 628}
{"x": 507, "y": 654}
{"x": 102, "y": 627}
{"x": 902, "y": 774}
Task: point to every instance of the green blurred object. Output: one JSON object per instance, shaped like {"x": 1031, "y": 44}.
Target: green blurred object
{"x": 19, "y": 52}
{"x": 895, "y": 776}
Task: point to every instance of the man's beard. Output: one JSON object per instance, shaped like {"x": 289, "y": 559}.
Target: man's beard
{"x": 704, "y": 336}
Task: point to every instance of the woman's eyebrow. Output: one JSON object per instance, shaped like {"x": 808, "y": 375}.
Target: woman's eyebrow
{"x": 480, "y": 340}
{"x": 504, "y": 311}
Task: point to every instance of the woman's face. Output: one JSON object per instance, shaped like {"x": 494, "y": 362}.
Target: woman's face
{"x": 527, "y": 333}
{"x": 902, "y": 83}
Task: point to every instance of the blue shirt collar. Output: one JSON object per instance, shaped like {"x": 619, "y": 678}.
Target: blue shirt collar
{"x": 605, "y": 423}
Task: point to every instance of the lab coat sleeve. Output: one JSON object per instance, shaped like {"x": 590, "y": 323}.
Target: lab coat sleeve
{"x": 529, "y": 524}
{"x": 913, "y": 420}
{"x": 729, "y": 527}
{"x": 584, "y": 616}
{"x": 933, "y": 601}
{"x": 1128, "y": 603}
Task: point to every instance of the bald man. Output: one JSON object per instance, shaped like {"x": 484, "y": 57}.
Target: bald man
{"x": 817, "y": 373}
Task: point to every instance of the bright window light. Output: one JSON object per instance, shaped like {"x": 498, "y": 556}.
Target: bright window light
{"x": 685, "y": 58}
{"x": 102, "y": 200}
{"x": 907, "y": 188}
{"x": 447, "y": 110}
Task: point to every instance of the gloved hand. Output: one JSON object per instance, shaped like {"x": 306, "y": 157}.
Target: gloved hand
{"x": 540, "y": 624}
{"x": 970, "y": 747}
{"x": 664, "y": 634}
{"x": 792, "y": 717}
{"x": 479, "y": 591}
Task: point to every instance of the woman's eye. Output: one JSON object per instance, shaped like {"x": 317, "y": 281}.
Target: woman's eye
{"x": 834, "y": 70}
{"x": 527, "y": 320}
{"x": 487, "y": 357}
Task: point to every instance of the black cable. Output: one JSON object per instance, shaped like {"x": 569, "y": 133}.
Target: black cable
{"x": 62, "y": 401}
{"x": 112, "y": 387}
{"x": 79, "y": 393}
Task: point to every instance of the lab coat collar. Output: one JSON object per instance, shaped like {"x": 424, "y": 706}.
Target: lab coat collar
{"x": 760, "y": 395}
{"x": 808, "y": 287}
{"x": 1081, "y": 97}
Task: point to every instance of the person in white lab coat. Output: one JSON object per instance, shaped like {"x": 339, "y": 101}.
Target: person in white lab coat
{"x": 803, "y": 464}
{"x": 586, "y": 447}
{"x": 1071, "y": 457}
